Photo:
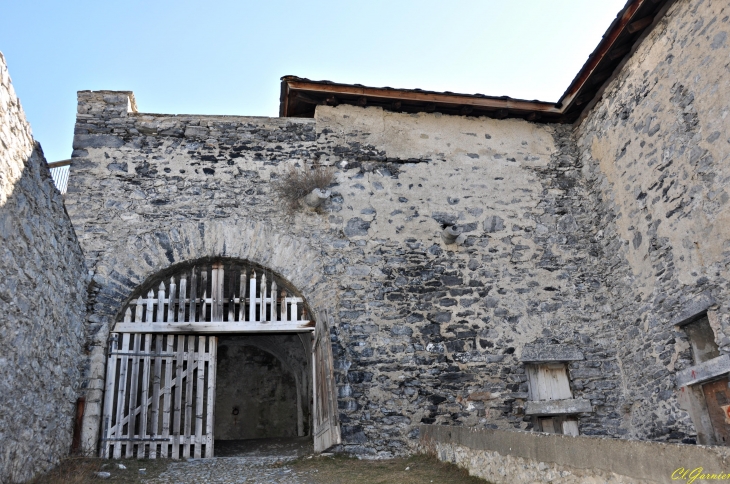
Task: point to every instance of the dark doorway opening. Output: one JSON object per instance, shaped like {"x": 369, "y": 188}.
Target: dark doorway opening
{"x": 263, "y": 393}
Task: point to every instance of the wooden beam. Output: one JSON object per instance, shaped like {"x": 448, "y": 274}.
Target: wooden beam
{"x": 217, "y": 327}
{"x": 639, "y": 24}
{"x": 401, "y": 95}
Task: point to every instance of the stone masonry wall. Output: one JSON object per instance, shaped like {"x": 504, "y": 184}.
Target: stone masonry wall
{"x": 423, "y": 331}
{"x": 655, "y": 156}
{"x": 42, "y": 303}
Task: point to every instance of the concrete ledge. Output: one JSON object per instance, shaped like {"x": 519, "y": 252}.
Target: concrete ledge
{"x": 704, "y": 371}
{"x": 640, "y": 461}
{"x": 693, "y": 308}
{"x": 534, "y": 353}
{"x": 558, "y": 407}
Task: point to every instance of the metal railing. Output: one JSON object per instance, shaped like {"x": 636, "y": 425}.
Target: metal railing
{"x": 59, "y": 173}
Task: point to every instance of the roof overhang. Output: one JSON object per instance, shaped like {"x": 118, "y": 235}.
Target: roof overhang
{"x": 299, "y": 96}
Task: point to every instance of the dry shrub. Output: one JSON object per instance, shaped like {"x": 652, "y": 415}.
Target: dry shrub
{"x": 297, "y": 183}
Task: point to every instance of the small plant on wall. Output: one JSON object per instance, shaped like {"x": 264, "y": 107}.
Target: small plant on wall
{"x": 304, "y": 186}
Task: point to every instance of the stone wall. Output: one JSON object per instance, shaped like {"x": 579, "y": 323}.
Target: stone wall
{"x": 655, "y": 154}
{"x": 42, "y": 303}
{"x": 424, "y": 331}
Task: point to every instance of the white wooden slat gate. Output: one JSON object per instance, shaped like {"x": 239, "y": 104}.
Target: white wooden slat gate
{"x": 160, "y": 396}
{"x": 326, "y": 426}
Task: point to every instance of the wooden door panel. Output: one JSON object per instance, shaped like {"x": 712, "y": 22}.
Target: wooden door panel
{"x": 717, "y": 398}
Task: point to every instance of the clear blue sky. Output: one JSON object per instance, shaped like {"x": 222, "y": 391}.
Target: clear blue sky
{"x": 226, "y": 57}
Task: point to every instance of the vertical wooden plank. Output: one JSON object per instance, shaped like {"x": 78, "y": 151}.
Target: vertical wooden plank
{"x": 542, "y": 382}
{"x": 242, "y": 297}
{"x": 295, "y": 310}
{"x": 131, "y": 434}
{"x": 534, "y": 391}
{"x": 204, "y": 288}
{"x": 252, "y": 298}
{"x": 109, "y": 395}
{"x": 166, "y": 400}
{"x": 177, "y": 417}
{"x": 193, "y": 296}
{"x": 150, "y": 308}
{"x": 221, "y": 296}
{"x": 161, "y": 303}
{"x": 144, "y": 406}
{"x": 274, "y": 303}
{"x": 171, "y": 302}
{"x": 215, "y": 295}
{"x": 199, "y": 394}
{"x": 156, "y": 384}
{"x": 231, "y": 297}
{"x": 570, "y": 427}
{"x": 189, "y": 397}
{"x": 262, "y": 292}
{"x": 182, "y": 300}
{"x": 138, "y": 310}
{"x": 212, "y": 364}
{"x": 121, "y": 393}
{"x": 128, "y": 316}
{"x": 284, "y": 307}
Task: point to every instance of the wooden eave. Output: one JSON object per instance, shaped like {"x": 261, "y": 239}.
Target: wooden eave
{"x": 299, "y": 96}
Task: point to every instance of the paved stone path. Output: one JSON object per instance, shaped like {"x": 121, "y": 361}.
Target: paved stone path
{"x": 260, "y": 461}
{"x": 230, "y": 470}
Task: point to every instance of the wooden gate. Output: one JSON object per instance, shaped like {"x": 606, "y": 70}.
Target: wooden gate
{"x": 160, "y": 396}
{"x": 326, "y": 426}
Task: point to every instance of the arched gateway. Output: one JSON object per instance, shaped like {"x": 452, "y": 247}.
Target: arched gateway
{"x": 161, "y": 377}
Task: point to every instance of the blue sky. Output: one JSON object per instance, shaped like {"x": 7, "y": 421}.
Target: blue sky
{"x": 226, "y": 57}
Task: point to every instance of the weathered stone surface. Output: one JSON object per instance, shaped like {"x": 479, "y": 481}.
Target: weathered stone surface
{"x": 655, "y": 156}
{"x": 704, "y": 371}
{"x": 42, "y": 303}
{"x": 535, "y": 353}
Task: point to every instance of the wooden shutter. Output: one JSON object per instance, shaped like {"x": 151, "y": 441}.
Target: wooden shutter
{"x": 548, "y": 382}
{"x": 326, "y": 426}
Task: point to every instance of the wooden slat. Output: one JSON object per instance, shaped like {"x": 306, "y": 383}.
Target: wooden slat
{"x": 166, "y": 393}
{"x": 161, "y": 303}
{"x": 193, "y": 296}
{"x": 242, "y": 297}
{"x": 262, "y": 293}
{"x": 223, "y": 327}
{"x": 145, "y": 402}
{"x": 199, "y": 394}
{"x": 181, "y": 305}
{"x": 203, "y": 314}
{"x": 149, "y": 309}
{"x": 122, "y": 385}
{"x": 212, "y": 363}
{"x": 189, "y": 396}
{"x": 216, "y": 313}
{"x": 231, "y": 297}
{"x": 171, "y": 301}
{"x": 138, "y": 311}
{"x": 111, "y": 373}
{"x": 156, "y": 384}
{"x": 274, "y": 303}
{"x": 133, "y": 397}
{"x": 218, "y": 281}
{"x": 178, "y": 394}
{"x": 252, "y": 298}
{"x": 570, "y": 427}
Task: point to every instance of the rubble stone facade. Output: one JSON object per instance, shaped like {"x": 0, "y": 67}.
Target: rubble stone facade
{"x": 42, "y": 303}
{"x": 595, "y": 239}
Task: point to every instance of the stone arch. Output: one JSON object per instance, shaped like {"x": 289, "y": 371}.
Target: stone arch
{"x": 122, "y": 267}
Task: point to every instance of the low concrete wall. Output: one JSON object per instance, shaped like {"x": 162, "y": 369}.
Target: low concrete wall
{"x": 502, "y": 456}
